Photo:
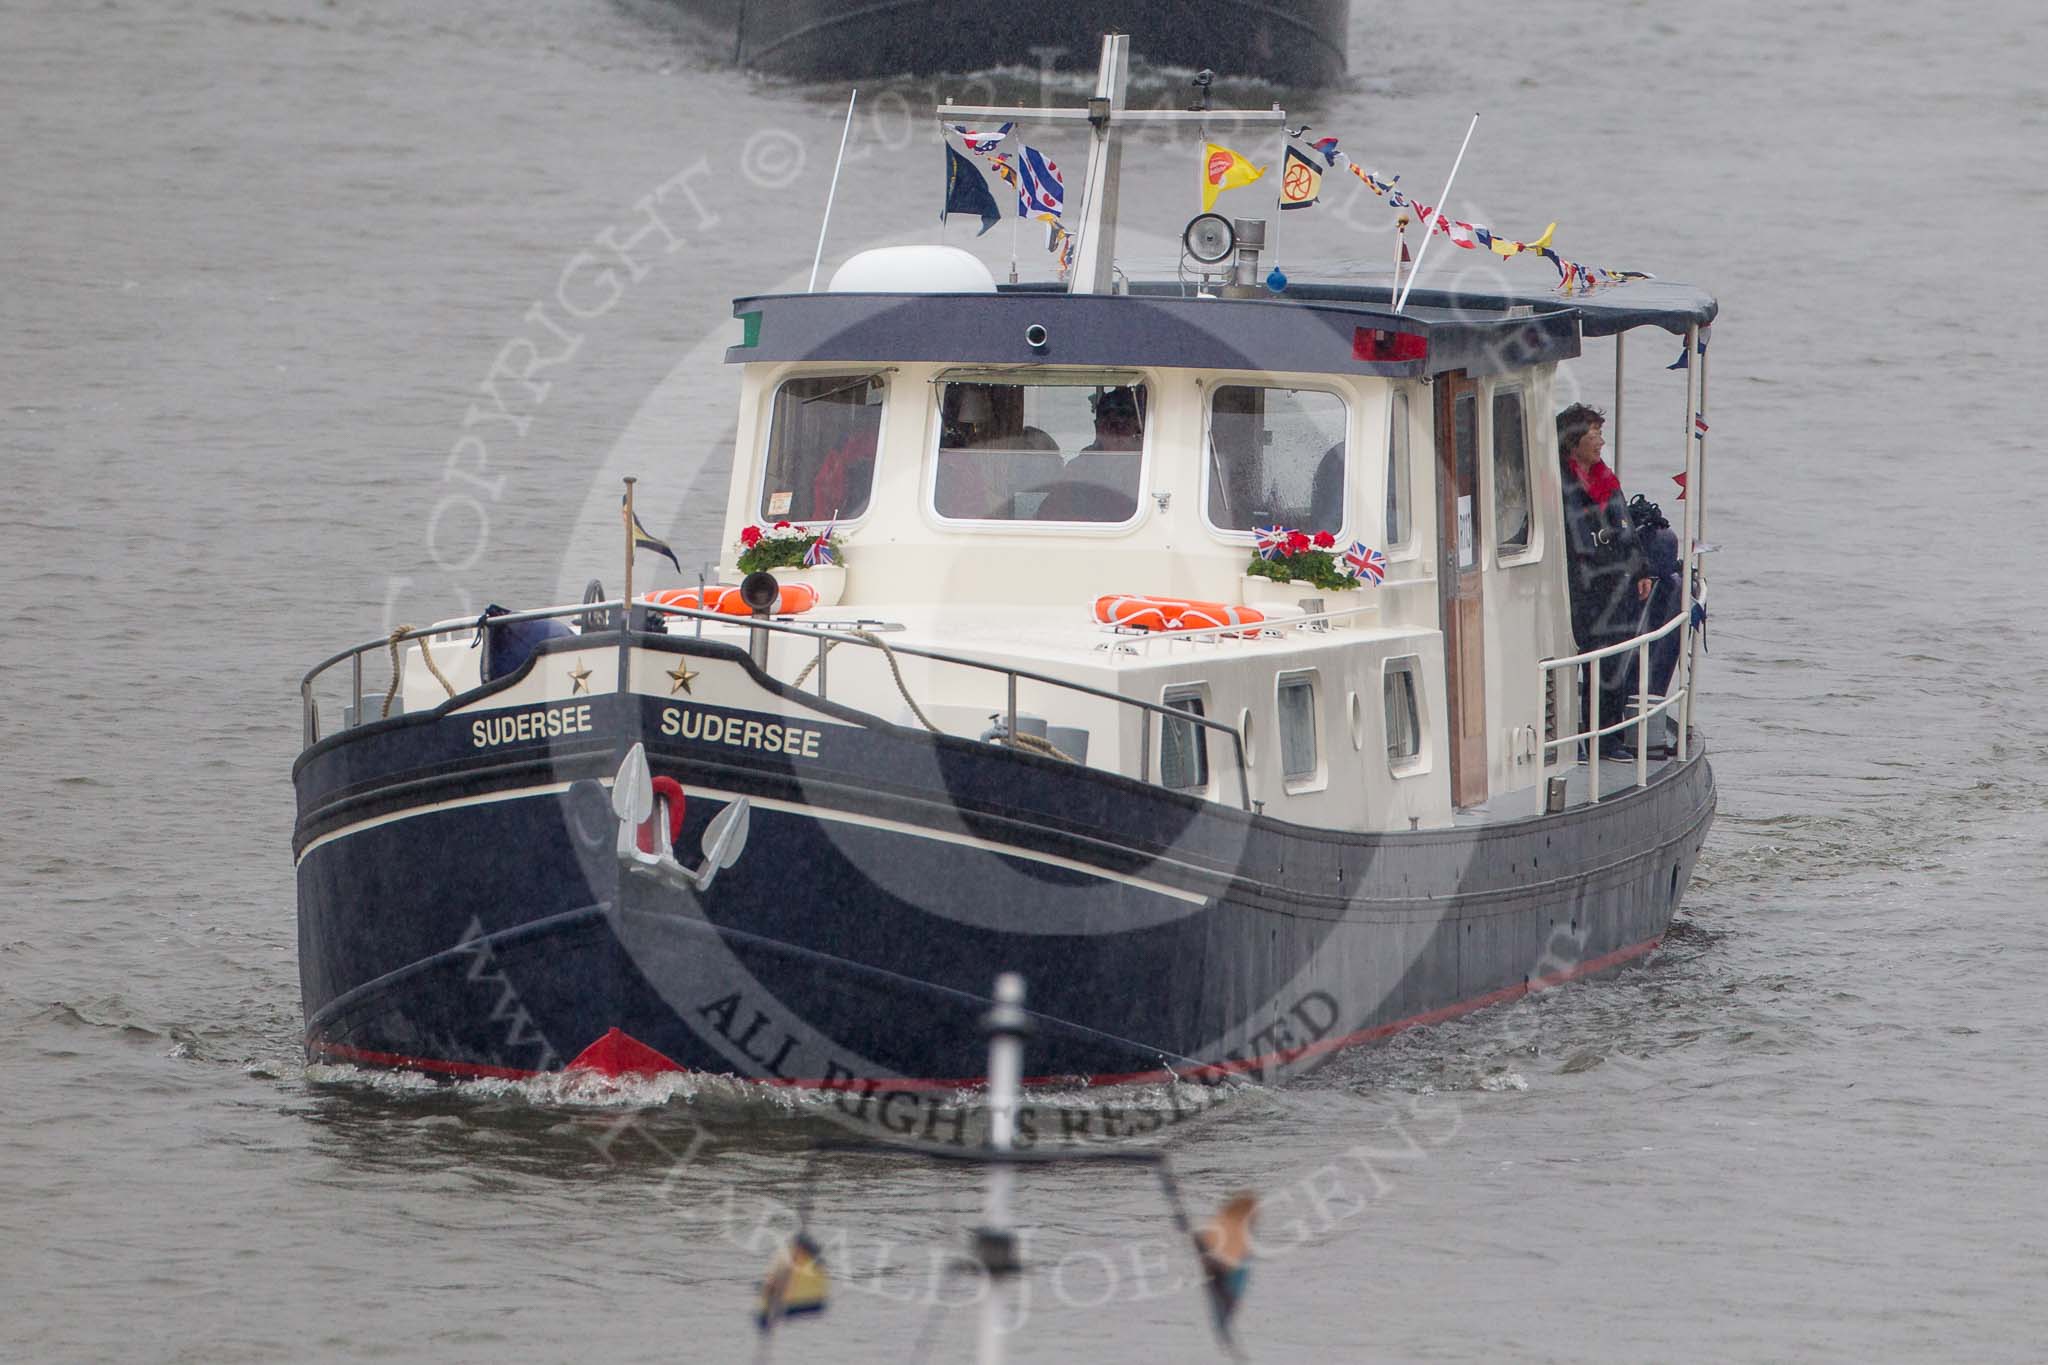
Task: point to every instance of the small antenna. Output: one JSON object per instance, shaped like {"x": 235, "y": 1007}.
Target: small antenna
{"x": 1435, "y": 216}
{"x": 832, "y": 193}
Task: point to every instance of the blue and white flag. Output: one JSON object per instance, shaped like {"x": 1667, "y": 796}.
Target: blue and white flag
{"x": 1041, "y": 193}
{"x": 979, "y": 142}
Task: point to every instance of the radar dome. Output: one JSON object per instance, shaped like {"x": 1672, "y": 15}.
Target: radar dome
{"x": 913, "y": 270}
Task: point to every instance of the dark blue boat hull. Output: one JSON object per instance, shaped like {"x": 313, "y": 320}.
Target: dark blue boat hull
{"x": 464, "y": 912}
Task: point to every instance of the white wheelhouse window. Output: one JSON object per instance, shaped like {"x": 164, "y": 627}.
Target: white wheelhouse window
{"x": 1276, "y": 456}
{"x": 1400, "y": 518}
{"x": 1041, "y": 446}
{"x": 1513, "y": 510}
{"x": 1296, "y": 698}
{"x": 823, "y": 434}
{"x": 1183, "y": 745}
{"x": 1407, "y": 749}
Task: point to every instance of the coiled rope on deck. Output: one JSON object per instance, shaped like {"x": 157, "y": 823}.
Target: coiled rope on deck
{"x": 890, "y": 656}
{"x": 426, "y": 654}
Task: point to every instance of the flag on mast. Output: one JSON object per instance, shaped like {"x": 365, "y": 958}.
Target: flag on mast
{"x": 643, "y": 539}
{"x": 1301, "y": 181}
{"x": 979, "y": 142}
{"x": 1041, "y": 191}
{"x": 967, "y": 192}
{"x": 1223, "y": 169}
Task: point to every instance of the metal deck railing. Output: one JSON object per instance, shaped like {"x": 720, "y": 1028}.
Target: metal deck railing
{"x": 865, "y": 634}
{"x": 1646, "y": 709}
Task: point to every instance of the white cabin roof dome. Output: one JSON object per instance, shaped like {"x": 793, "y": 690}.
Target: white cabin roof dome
{"x": 913, "y": 270}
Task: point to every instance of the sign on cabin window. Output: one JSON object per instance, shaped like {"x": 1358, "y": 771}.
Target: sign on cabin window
{"x": 1465, "y": 455}
{"x": 1510, "y": 473}
{"x": 1183, "y": 745}
{"x": 1276, "y": 458}
{"x": 1066, "y": 450}
{"x": 1397, "y": 471}
{"x": 821, "y": 447}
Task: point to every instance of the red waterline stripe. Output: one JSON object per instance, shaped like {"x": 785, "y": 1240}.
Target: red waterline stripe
{"x": 1206, "y": 1072}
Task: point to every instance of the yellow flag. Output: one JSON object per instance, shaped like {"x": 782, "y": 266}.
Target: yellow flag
{"x": 1223, "y": 169}
{"x": 1509, "y": 248}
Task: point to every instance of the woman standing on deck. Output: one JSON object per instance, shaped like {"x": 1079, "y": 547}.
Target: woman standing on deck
{"x": 1610, "y": 581}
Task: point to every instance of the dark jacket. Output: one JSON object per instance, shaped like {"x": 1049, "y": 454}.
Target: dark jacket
{"x": 1606, "y": 560}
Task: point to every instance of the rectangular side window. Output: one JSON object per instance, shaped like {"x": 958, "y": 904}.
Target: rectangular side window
{"x": 1397, "y": 471}
{"x": 1183, "y": 746}
{"x": 1276, "y": 457}
{"x": 822, "y": 433}
{"x": 1297, "y": 705}
{"x": 1510, "y": 473}
{"x": 1404, "y": 713}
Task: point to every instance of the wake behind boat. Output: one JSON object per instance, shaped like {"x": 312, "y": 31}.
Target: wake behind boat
{"x": 1070, "y": 659}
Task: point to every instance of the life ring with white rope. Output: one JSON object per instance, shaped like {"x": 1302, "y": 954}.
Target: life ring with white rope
{"x": 1139, "y": 611}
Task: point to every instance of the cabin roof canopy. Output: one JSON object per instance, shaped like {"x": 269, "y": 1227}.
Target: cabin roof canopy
{"x": 1315, "y": 327}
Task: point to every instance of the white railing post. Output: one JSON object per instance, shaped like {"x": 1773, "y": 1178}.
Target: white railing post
{"x": 1689, "y": 551}
{"x": 1614, "y": 454}
{"x": 1592, "y": 667}
{"x": 1643, "y": 711}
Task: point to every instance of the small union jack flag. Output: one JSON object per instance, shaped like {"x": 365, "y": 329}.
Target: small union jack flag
{"x": 1365, "y": 562}
{"x": 821, "y": 548}
{"x": 1271, "y": 541}
{"x": 1699, "y": 427}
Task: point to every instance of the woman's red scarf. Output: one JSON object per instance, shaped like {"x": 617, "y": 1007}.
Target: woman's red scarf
{"x": 1600, "y": 482}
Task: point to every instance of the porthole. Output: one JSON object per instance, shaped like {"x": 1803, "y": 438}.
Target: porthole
{"x": 1355, "y": 710}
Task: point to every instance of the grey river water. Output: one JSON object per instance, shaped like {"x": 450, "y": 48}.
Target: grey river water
{"x": 256, "y": 259}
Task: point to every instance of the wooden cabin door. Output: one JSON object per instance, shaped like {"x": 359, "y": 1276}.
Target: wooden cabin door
{"x": 1460, "y": 582}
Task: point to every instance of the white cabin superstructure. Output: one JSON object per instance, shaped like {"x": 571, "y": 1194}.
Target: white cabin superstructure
{"x": 1019, "y": 593}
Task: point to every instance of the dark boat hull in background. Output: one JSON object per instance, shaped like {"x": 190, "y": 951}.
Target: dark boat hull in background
{"x": 1288, "y": 42}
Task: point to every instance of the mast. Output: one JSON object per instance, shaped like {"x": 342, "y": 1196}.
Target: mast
{"x": 1095, "y": 256}
{"x": 1108, "y": 119}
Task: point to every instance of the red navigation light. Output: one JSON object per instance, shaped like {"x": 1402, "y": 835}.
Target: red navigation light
{"x": 1374, "y": 344}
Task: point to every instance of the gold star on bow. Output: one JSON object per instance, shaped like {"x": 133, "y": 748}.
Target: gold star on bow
{"x": 580, "y": 676}
{"x": 683, "y": 678}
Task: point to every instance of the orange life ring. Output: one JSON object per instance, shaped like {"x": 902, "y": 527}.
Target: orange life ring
{"x": 725, "y": 598}
{"x": 1141, "y": 612}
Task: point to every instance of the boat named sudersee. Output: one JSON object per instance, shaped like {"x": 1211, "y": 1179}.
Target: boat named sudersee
{"x": 1031, "y": 706}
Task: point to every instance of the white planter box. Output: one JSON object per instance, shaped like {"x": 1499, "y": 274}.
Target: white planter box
{"x": 1254, "y": 591}
{"x": 828, "y": 579}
